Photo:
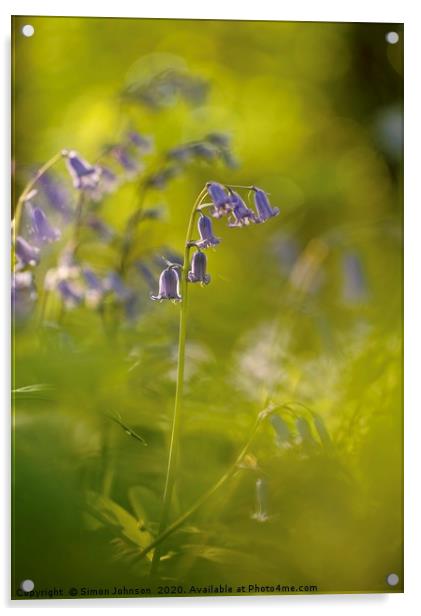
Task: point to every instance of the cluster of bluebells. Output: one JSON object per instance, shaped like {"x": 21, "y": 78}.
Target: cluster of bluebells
{"x": 303, "y": 433}
{"x": 212, "y": 148}
{"x": 225, "y": 203}
{"x": 51, "y": 199}
{"x": 164, "y": 88}
{"x": 53, "y": 205}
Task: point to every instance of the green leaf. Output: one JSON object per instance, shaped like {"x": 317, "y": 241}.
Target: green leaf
{"x": 145, "y": 503}
{"x": 121, "y": 521}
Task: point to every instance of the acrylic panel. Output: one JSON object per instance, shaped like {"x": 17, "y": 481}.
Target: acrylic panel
{"x": 207, "y": 307}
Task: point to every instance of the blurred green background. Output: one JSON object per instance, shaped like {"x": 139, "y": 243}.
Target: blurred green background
{"x": 305, "y": 309}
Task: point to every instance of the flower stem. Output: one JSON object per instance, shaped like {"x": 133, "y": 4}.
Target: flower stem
{"x": 173, "y": 452}
{"x": 162, "y": 535}
{"x": 27, "y": 190}
{"x": 131, "y": 226}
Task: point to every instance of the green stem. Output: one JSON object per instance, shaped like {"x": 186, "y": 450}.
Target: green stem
{"x": 28, "y": 188}
{"x": 173, "y": 452}
{"x": 163, "y": 534}
{"x": 130, "y": 229}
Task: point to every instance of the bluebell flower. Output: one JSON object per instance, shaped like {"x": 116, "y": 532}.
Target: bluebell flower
{"x": 160, "y": 179}
{"x": 202, "y": 150}
{"x": 181, "y": 153}
{"x": 41, "y": 229}
{"x": 92, "y": 279}
{"x": 219, "y": 139}
{"x": 57, "y": 195}
{"x": 281, "y": 429}
{"x": 105, "y": 232}
{"x": 27, "y": 254}
{"x": 70, "y": 295}
{"x": 305, "y": 436}
{"x": 169, "y": 286}
{"x": 108, "y": 180}
{"x": 228, "y": 159}
{"x": 288, "y": 251}
{"x": 263, "y": 207}
{"x": 84, "y": 175}
{"x": 322, "y": 431}
{"x": 220, "y": 199}
{"x": 261, "y": 514}
{"x": 126, "y": 161}
{"x": 144, "y": 144}
{"x": 207, "y": 238}
{"x": 95, "y": 287}
{"x": 114, "y": 282}
{"x": 23, "y": 293}
{"x": 198, "y": 269}
{"x": 241, "y": 213}
{"x": 354, "y": 282}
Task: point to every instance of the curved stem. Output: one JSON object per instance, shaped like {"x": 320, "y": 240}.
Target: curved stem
{"x": 28, "y": 188}
{"x": 197, "y": 504}
{"x": 173, "y": 452}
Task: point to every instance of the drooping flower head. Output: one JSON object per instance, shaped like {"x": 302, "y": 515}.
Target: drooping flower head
{"x": 169, "y": 286}
{"x": 26, "y": 254}
{"x": 109, "y": 180}
{"x": 70, "y": 295}
{"x": 198, "y": 269}
{"x": 41, "y": 229}
{"x": 160, "y": 179}
{"x": 115, "y": 284}
{"x": 241, "y": 213}
{"x": 263, "y": 207}
{"x": 56, "y": 194}
{"x": 281, "y": 429}
{"x": 261, "y": 514}
{"x": 304, "y": 434}
{"x": 322, "y": 431}
{"x": 220, "y": 139}
{"x": 84, "y": 175}
{"x": 207, "y": 238}
{"x": 354, "y": 282}
{"x": 94, "y": 287}
{"x": 129, "y": 164}
{"x": 220, "y": 199}
{"x": 104, "y": 231}
{"x": 144, "y": 144}
{"x": 23, "y": 293}
{"x": 204, "y": 151}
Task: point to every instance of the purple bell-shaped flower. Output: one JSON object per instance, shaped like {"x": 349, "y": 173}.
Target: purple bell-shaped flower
{"x": 207, "y": 238}
{"x": 241, "y": 213}
{"x": 26, "y": 254}
{"x": 219, "y": 198}
{"x": 169, "y": 286}
{"x": 198, "y": 269}
{"x": 84, "y": 175}
{"x": 70, "y": 295}
{"x": 263, "y": 207}
{"x": 41, "y": 229}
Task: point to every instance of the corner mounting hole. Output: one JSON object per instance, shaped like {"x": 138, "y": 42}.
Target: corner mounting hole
{"x": 27, "y": 585}
{"x": 392, "y": 38}
{"x": 392, "y": 579}
{"x": 28, "y": 30}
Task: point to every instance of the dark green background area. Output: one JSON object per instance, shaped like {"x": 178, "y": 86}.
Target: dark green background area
{"x": 314, "y": 111}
